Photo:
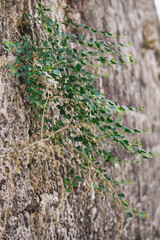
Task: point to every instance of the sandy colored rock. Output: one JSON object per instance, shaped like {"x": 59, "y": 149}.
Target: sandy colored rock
{"x": 32, "y": 200}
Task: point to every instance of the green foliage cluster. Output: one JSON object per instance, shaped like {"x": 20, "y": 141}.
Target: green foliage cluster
{"x": 60, "y": 71}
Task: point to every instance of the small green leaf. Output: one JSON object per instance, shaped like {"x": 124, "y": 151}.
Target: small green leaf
{"x": 106, "y": 176}
{"x": 136, "y": 130}
{"x": 121, "y": 195}
{"x": 78, "y": 67}
{"x": 72, "y": 171}
{"x": 9, "y": 66}
{"x": 79, "y": 179}
{"x": 143, "y": 214}
{"x": 78, "y": 139}
{"x": 68, "y": 51}
{"x": 118, "y": 124}
{"x": 93, "y": 30}
{"x": 108, "y": 34}
{"x": 109, "y": 120}
{"x": 18, "y": 74}
{"x": 74, "y": 184}
{"x": 125, "y": 204}
{"x": 116, "y": 182}
{"x": 36, "y": 116}
{"x": 122, "y": 60}
{"x": 127, "y": 130}
{"x": 113, "y": 61}
{"x": 55, "y": 127}
{"x": 49, "y": 30}
{"x": 101, "y": 186}
{"x": 129, "y": 214}
{"x": 84, "y": 26}
{"x": 68, "y": 190}
{"x": 145, "y": 157}
{"x": 45, "y": 127}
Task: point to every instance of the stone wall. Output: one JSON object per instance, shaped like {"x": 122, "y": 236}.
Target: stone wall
{"x": 33, "y": 206}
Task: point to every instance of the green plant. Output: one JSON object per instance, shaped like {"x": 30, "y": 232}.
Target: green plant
{"x": 59, "y": 71}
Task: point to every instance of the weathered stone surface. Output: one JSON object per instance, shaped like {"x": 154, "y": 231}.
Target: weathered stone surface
{"x": 32, "y": 199}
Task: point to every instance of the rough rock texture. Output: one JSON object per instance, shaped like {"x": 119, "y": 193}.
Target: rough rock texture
{"x": 32, "y": 201}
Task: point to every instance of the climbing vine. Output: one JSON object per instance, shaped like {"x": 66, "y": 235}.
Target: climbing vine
{"x": 60, "y": 71}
